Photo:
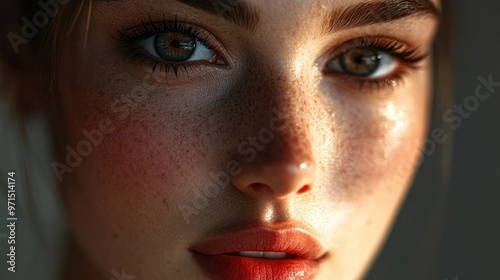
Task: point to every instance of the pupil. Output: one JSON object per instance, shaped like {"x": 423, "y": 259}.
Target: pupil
{"x": 175, "y": 46}
{"x": 360, "y": 62}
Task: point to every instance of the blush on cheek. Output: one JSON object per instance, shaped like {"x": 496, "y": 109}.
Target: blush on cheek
{"x": 148, "y": 156}
{"x": 144, "y": 155}
{"x": 127, "y": 188}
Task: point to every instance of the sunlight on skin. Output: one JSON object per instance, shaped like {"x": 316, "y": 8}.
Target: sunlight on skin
{"x": 333, "y": 170}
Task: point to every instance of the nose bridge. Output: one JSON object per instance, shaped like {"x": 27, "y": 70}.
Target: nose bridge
{"x": 278, "y": 157}
{"x": 285, "y": 100}
{"x": 290, "y": 122}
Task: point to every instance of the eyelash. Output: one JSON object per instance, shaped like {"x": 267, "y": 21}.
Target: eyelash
{"x": 409, "y": 57}
{"x": 128, "y": 40}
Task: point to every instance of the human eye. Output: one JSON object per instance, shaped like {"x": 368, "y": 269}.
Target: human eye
{"x": 375, "y": 62}
{"x": 170, "y": 46}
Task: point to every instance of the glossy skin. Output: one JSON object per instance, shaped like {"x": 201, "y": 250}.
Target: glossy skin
{"x": 338, "y": 166}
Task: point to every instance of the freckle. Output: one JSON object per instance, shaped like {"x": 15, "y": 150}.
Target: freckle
{"x": 369, "y": 222}
{"x": 165, "y": 203}
{"x": 114, "y": 235}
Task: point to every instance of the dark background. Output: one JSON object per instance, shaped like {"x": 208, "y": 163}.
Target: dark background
{"x": 469, "y": 247}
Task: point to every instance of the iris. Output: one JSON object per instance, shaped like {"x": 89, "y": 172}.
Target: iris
{"x": 175, "y": 46}
{"x": 360, "y": 62}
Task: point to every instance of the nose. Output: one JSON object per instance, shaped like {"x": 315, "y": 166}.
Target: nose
{"x": 278, "y": 161}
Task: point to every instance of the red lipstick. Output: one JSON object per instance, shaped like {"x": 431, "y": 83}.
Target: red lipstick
{"x": 260, "y": 253}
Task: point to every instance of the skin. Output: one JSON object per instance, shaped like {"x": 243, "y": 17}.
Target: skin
{"x": 124, "y": 199}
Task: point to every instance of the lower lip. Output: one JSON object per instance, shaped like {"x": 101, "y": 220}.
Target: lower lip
{"x": 236, "y": 267}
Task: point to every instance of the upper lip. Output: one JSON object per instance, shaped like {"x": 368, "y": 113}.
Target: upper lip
{"x": 292, "y": 240}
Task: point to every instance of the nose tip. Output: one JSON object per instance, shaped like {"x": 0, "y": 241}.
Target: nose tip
{"x": 279, "y": 179}
{"x": 281, "y": 164}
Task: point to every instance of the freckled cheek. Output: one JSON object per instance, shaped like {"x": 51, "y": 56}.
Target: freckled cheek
{"x": 383, "y": 152}
{"x": 142, "y": 163}
{"x": 131, "y": 183}
{"x": 156, "y": 158}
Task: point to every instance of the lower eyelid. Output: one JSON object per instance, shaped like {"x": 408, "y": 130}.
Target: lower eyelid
{"x": 370, "y": 85}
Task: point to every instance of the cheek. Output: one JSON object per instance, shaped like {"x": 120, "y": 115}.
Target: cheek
{"x": 148, "y": 154}
{"x": 144, "y": 155}
{"x": 392, "y": 141}
{"x": 129, "y": 186}
{"x": 378, "y": 159}
{"x": 379, "y": 146}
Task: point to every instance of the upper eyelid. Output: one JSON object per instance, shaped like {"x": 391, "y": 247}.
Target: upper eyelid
{"x": 404, "y": 66}
{"x": 150, "y": 27}
{"x": 369, "y": 41}
{"x": 409, "y": 53}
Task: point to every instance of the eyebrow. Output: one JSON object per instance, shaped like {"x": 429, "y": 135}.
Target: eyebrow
{"x": 246, "y": 15}
{"x": 370, "y": 13}
{"x": 238, "y": 12}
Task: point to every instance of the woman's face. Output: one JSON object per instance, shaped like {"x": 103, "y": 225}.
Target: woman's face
{"x": 197, "y": 130}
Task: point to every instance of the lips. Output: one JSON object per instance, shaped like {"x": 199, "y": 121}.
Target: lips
{"x": 260, "y": 253}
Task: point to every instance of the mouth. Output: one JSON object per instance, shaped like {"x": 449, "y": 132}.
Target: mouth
{"x": 261, "y": 253}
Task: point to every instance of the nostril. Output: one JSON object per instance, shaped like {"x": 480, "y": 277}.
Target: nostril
{"x": 257, "y": 187}
{"x": 277, "y": 173}
{"x": 304, "y": 189}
